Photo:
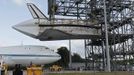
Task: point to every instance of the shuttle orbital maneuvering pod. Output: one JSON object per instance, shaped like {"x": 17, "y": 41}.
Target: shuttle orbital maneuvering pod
{"x": 27, "y": 54}
{"x": 40, "y": 27}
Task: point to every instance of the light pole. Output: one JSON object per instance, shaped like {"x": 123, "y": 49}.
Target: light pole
{"x": 70, "y": 56}
{"x": 108, "y": 69}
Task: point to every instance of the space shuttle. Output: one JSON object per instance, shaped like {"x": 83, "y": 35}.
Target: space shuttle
{"x": 27, "y": 54}
{"x": 40, "y": 27}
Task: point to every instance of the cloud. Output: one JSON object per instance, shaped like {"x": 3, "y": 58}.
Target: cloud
{"x": 21, "y": 2}
{"x": 3, "y": 2}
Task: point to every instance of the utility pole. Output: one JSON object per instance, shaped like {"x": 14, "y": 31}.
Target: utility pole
{"x": 108, "y": 69}
{"x": 70, "y": 56}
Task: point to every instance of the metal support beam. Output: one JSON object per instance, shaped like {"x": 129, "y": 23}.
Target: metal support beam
{"x": 70, "y": 56}
{"x": 106, "y": 37}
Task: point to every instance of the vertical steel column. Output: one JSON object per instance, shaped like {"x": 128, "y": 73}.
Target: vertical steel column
{"x": 106, "y": 37}
{"x": 70, "y": 56}
{"x": 85, "y": 54}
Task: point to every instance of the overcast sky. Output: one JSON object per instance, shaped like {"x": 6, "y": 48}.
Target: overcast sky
{"x": 15, "y": 11}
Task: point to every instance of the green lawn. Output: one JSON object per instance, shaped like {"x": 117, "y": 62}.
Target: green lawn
{"x": 97, "y": 73}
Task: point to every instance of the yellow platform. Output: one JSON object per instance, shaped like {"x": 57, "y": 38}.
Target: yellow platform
{"x": 34, "y": 71}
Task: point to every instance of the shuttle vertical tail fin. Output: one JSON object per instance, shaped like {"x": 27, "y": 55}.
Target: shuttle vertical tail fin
{"x": 36, "y": 13}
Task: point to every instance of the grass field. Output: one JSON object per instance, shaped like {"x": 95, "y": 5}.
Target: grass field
{"x": 97, "y": 73}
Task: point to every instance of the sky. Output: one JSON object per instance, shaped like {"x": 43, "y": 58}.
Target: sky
{"x": 13, "y": 12}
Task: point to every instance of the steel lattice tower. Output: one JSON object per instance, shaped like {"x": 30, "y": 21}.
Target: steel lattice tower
{"x": 120, "y": 29}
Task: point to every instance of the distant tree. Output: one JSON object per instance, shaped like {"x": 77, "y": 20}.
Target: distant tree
{"x": 64, "y": 53}
{"x": 76, "y": 58}
{"x": 64, "y": 61}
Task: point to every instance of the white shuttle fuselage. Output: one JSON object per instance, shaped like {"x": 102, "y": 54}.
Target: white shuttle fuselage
{"x": 40, "y": 27}
{"x": 26, "y": 55}
{"x": 43, "y": 29}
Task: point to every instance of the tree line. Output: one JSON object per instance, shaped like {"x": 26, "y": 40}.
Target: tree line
{"x": 64, "y": 53}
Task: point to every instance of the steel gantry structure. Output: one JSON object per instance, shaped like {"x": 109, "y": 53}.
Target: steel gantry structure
{"x": 120, "y": 29}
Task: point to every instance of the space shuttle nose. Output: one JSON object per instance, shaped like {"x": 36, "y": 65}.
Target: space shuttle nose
{"x": 15, "y": 27}
{"x": 28, "y": 28}
{"x": 18, "y": 27}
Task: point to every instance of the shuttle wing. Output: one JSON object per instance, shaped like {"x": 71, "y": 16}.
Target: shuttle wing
{"x": 54, "y": 34}
{"x": 36, "y": 13}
